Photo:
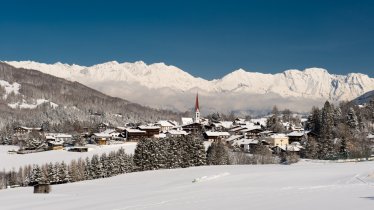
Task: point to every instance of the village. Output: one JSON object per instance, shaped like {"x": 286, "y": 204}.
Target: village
{"x": 239, "y": 134}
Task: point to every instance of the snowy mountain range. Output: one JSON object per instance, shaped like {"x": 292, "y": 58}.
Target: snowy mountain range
{"x": 165, "y": 86}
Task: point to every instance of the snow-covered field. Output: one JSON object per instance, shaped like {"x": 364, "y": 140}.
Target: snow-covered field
{"x": 10, "y": 161}
{"x": 343, "y": 186}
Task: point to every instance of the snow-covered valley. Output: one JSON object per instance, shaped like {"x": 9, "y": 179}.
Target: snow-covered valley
{"x": 343, "y": 186}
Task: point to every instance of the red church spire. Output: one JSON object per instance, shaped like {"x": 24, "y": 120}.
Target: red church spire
{"x": 197, "y": 103}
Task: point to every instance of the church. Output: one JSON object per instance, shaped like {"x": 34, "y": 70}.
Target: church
{"x": 195, "y": 126}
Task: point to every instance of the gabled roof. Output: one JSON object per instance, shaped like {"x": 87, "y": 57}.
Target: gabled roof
{"x": 234, "y": 137}
{"x": 296, "y": 133}
{"x": 145, "y": 127}
{"x": 131, "y": 130}
{"x": 165, "y": 123}
{"x": 187, "y": 120}
{"x": 212, "y": 133}
{"x": 177, "y": 132}
{"x": 102, "y": 135}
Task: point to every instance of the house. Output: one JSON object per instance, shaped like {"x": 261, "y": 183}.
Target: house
{"x": 102, "y": 127}
{"x": 278, "y": 139}
{"x": 25, "y": 130}
{"x": 259, "y": 121}
{"x": 166, "y": 125}
{"x": 245, "y": 144}
{"x": 101, "y": 138}
{"x": 55, "y": 144}
{"x": 176, "y": 133}
{"x": 151, "y": 131}
{"x": 193, "y": 128}
{"x": 291, "y": 148}
{"x": 251, "y": 132}
{"x": 236, "y": 130}
{"x": 296, "y": 136}
{"x": 187, "y": 120}
{"x": 58, "y": 137}
{"x": 212, "y": 135}
{"x": 232, "y": 138}
{"x": 135, "y": 134}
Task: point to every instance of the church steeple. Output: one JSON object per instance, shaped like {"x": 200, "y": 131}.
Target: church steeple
{"x": 197, "y": 109}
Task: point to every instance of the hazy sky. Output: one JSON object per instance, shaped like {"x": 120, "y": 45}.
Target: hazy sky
{"x": 206, "y": 38}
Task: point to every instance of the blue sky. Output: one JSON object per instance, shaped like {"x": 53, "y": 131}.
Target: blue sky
{"x": 205, "y": 38}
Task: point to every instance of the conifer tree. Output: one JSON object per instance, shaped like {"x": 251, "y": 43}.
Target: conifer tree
{"x": 326, "y": 145}
{"x": 217, "y": 154}
{"x": 36, "y": 175}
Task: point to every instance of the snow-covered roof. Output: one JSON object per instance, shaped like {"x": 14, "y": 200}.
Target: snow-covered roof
{"x": 226, "y": 124}
{"x": 245, "y": 141}
{"x": 291, "y": 148}
{"x": 177, "y": 132}
{"x": 237, "y": 128}
{"x": 166, "y": 123}
{"x": 296, "y": 133}
{"x": 278, "y": 135}
{"x": 145, "y": 127}
{"x": 57, "y": 135}
{"x": 261, "y": 121}
{"x": 214, "y": 133}
{"x": 186, "y": 120}
{"x": 102, "y": 135}
{"x": 132, "y": 130}
{"x": 121, "y": 128}
{"x": 234, "y": 137}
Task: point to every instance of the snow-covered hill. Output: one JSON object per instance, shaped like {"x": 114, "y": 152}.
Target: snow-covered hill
{"x": 307, "y": 186}
{"x": 162, "y": 85}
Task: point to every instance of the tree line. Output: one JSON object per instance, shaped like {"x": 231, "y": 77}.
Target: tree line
{"x": 339, "y": 132}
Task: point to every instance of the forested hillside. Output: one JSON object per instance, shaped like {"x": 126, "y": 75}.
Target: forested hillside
{"x": 30, "y": 98}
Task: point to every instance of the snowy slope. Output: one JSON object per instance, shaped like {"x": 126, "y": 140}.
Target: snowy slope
{"x": 136, "y": 81}
{"x": 301, "y": 186}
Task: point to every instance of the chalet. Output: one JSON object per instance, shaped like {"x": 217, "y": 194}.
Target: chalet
{"x": 296, "y": 136}
{"x": 151, "y": 131}
{"x": 245, "y": 144}
{"x": 193, "y": 128}
{"x": 266, "y": 133}
{"x": 135, "y": 134}
{"x": 59, "y": 137}
{"x": 25, "y": 130}
{"x": 232, "y": 138}
{"x": 259, "y": 121}
{"x": 239, "y": 121}
{"x": 251, "y": 132}
{"x": 101, "y": 138}
{"x": 55, "y": 145}
{"x": 102, "y": 127}
{"x": 279, "y": 139}
{"x": 236, "y": 130}
{"x": 166, "y": 125}
{"x": 211, "y": 135}
{"x": 291, "y": 148}
{"x": 187, "y": 120}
